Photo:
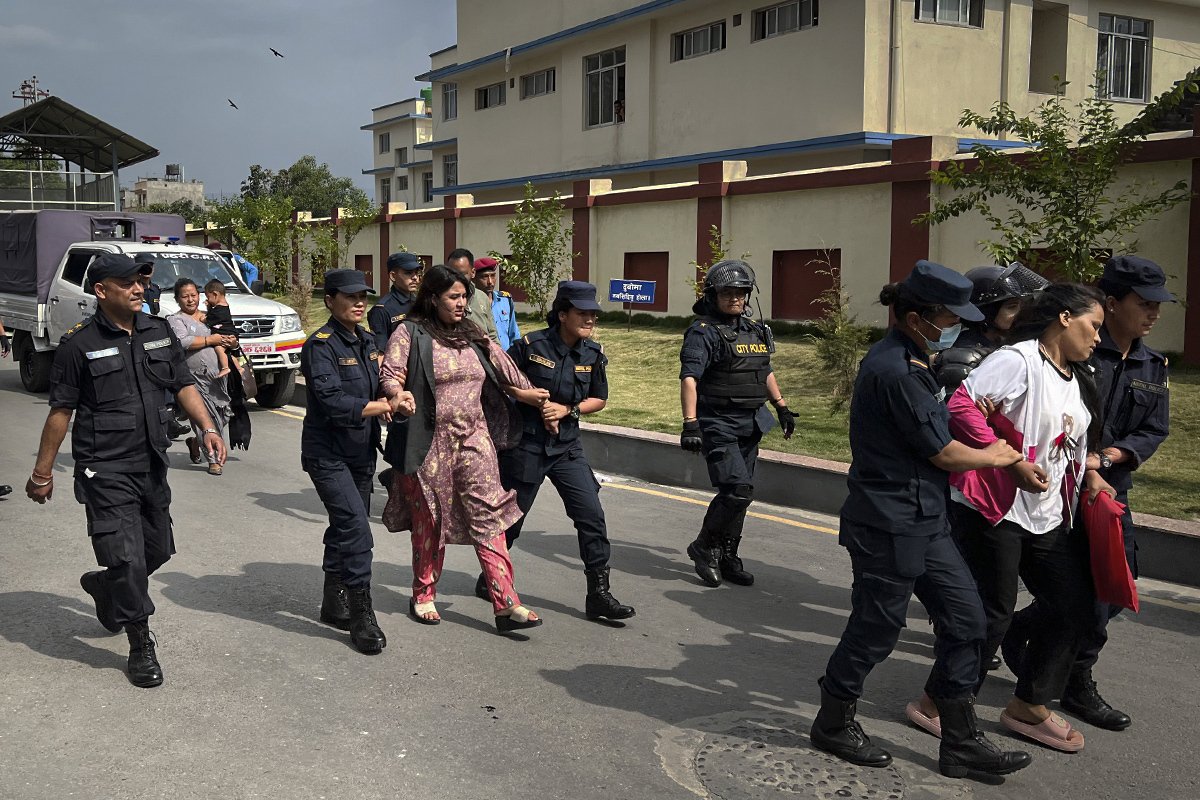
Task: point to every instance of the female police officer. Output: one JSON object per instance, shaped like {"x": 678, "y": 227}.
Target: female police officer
{"x": 337, "y": 450}
{"x": 726, "y": 379}
{"x": 894, "y": 525}
{"x": 563, "y": 359}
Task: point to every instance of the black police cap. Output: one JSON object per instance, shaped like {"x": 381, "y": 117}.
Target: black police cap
{"x": 579, "y": 294}
{"x": 937, "y": 285}
{"x": 405, "y": 261}
{"x": 116, "y": 265}
{"x": 1139, "y": 274}
{"x": 346, "y": 281}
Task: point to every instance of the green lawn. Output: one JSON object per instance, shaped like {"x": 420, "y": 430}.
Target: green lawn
{"x": 643, "y": 377}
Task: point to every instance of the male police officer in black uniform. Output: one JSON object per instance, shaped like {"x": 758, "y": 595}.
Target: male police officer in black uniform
{"x": 726, "y": 380}
{"x": 564, "y": 360}
{"x": 404, "y": 271}
{"x": 113, "y": 369}
{"x": 337, "y": 450}
{"x": 1132, "y": 383}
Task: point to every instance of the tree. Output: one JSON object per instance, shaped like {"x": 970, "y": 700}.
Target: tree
{"x": 718, "y": 250}
{"x": 312, "y": 187}
{"x": 326, "y": 245}
{"x": 194, "y": 214}
{"x": 1058, "y": 198}
{"x": 45, "y": 172}
{"x": 540, "y": 247}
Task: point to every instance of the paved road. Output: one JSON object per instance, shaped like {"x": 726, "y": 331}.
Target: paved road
{"x": 705, "y": 693}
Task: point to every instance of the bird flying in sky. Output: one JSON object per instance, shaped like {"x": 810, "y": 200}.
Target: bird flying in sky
{"x": 276, "y": 52}
{"x": 232, "y": 103}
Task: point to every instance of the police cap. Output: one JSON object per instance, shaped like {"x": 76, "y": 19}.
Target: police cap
{"x": 579, "y": 294}
{"x": 937, "y": 285}
{"x": 346, "y": 281}
{"x": 405, "y": 261}
{"x": 116, "y": 265}
{"x": 1139, "y": 274}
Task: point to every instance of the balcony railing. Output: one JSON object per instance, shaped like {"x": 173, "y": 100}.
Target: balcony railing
{"x": 24, "y": 189}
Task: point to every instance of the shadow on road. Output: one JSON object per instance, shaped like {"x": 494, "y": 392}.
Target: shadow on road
{"x": 58, "y": 627}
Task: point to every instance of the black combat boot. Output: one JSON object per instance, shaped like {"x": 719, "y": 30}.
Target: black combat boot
{"x": 600, "y": 604}
{"x": 364, "y": 628}
{"x": 144, "y": 671}
{"x": 731, "y": 565}
{"x": 706, "y": 553}
{"x": 94, "y": 584}
{"x": 965, "y": 748}
{"x": 1082, "y": 698}
{"x": 335, "y": 604}
{"x": 836, "y": 732}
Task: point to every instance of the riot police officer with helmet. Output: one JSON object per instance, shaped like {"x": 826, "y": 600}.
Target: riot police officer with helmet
{"x": 725, "y": 382}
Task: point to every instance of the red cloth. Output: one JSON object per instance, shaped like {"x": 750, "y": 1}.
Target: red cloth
{"x": 1110, "y": 568}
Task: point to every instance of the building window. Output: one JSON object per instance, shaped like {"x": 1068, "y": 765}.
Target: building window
{"x": 951, "y": 12}
{"x": 401, "y": 156}
{"x": 449, "y": 101}
{"x": 784, "y": 18}
{"x": 604, "y": 87}
{"x": 401, "y": 183}
{"x": 450, "y": 169}
{"x": 698, "y": 41}
{"x": 385, "y": 191}
{"x": 489, "y": 96}
{"x": 538, "y": 83}
{"x": 385, "y": 142}
{"x": 1123, "y": 57}
{"x": 427, "y": 187}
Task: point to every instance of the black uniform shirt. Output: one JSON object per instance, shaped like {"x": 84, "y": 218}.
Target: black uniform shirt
{"x": 897, "y": 423}
{"x": 115, "y": 382}
{"x": 570, "y": 374}
{"x": 1135, "y": 401}
{"x": 386, "y": 315}
{"x": 341, "y": 376}
{"x": 703, "y": 348}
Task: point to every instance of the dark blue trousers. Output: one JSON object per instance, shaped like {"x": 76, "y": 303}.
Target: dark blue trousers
{"x": 345, "y": 489}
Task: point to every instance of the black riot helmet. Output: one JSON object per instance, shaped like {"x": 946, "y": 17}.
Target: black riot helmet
{"x": 998, "y": 284}
{"x": 729, "y": 274}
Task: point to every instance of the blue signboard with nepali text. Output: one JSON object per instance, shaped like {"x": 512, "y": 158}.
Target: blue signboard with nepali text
{"x": 621, "y": 290}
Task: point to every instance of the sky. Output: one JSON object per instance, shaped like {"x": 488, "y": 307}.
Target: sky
{"x": 163, "y": 71}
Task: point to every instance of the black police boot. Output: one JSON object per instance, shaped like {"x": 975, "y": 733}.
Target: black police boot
{"x": 93, "y": 584}
{"x": 385, "y": 478}
{"x": 335, "y": 604}
{"x": 364, "y": 628}
{"x": 600, "y": 604}
{"x": 993, "y": 663}
{"x": 836, "y": 732}
{"x": 481, "y": 588}
{"x": 731, "y": 565}
{"x": 1083, "y": 699}
{"x": 965, "y": 748}
{"x": 706, "y": 553}
{"x": 144, "y": 670}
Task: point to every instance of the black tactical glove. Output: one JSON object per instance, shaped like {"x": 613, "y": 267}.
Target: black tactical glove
{"x": 690, "y": 439}
{"x": 5, "y": 348}
{"x": 787, "y": 421}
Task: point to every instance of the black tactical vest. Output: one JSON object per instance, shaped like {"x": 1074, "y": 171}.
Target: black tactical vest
{"x": 738, "y": 378}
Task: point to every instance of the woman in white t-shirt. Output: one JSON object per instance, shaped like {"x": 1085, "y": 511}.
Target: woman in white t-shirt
{"x": 1017, "y": 522}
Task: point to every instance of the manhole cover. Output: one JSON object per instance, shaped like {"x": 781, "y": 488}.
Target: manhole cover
{"x": 764, "y": 757}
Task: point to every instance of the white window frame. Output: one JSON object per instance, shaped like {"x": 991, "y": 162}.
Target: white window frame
{"x": 385, "y": 142}
{"x": 784, "y": 18}
{"x": 1110, "y": 43}
{"x": 536, "y": 84}
{"x": 961, "y": 13}
{"x": 490, "y": 96}
{"x": 449, "y": 101}
{"x": 595, "y": 71}
{"x": 684, "y": 44}
{"x": 427, "y": 187}
{"x": 450, "y": 169}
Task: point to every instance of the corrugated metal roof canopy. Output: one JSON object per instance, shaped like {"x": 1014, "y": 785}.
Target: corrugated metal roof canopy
{"x": 57, "y": 127}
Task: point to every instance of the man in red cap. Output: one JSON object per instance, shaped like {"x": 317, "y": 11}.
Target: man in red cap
{"x": 504, "y": 315}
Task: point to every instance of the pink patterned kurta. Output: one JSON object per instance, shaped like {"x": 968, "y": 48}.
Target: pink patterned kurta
{"x": 460, "y": 477}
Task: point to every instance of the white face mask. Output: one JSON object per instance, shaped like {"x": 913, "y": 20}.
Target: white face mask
{"x": 946, "y": 338}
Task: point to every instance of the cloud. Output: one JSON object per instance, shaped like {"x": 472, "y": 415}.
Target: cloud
{"x": 18, "y": 35}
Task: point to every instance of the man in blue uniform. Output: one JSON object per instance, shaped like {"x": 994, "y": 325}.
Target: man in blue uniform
{"x": 895, "y": 527}
{"x": 564, "y": 360}
{"x": 113, "y": 369}
{"x": 404, "y": 272}
{"x": 503, "y": 313}
{"x": 337, "y": 450}
{"x": 1132, "y": 382}
{"x": 725, "y": 383}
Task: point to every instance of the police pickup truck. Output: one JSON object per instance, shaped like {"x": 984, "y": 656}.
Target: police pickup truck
{"x": 44, "y": 256}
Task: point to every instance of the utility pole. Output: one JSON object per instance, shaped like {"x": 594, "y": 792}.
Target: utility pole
{"x": 29, "y": 92}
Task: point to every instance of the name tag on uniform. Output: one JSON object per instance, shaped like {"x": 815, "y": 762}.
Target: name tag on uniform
{"x": 156, "y": 345}
{"x": 398, "y": 318}
{"x": 1157, "y": 388}
{"x": 348, "y": 362}
{"x": 111, "y": 351}
{"x": 583, "y": 367}
{"x": 545, "y": 362}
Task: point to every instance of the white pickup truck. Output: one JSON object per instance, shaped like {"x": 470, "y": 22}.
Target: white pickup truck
{"x": 42, "y": 295}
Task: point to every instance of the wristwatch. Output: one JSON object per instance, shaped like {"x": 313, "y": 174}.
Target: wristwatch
{"x": 1105, "y": 461}
{"x": 575, "y": 411}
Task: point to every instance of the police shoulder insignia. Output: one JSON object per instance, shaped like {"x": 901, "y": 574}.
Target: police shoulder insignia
{"x": 322, "y": 335}
{"x": 545, "y": 362}
{"x": 398, "y": 317}
{"x": 504, "y": 293}
{"x": 916, "y": 362}
{"x": 73, "y": 329}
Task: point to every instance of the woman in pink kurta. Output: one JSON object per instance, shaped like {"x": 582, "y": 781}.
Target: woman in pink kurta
{"x": 455, "y": 496}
